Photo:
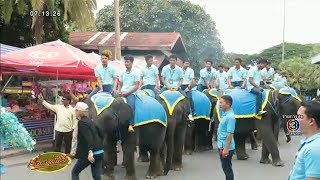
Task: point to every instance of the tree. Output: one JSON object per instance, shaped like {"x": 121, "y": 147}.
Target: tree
{"x": 196, "y": 27}
{"x": 302, "y": 75}
{"x": 77, "y": 11}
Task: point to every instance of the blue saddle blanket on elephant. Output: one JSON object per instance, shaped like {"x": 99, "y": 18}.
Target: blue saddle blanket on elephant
{"x": 244, "y": 103}
{"x": 277, "y": 85}
{"x": 102, "y": 101}
{"x": 213, "y": 92}
{"x": 290, "y": 91}
{"x": 148, "y": 92}
{"x": 148, "y": 110}
{"x": 202, "y": 105}
{"x": 171, "y": 98}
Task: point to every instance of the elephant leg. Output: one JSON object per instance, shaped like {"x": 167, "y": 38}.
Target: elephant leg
{"x": 268, "y": 138}
{"x": 110, "y": 150}
{"x": 143, "y": 154}
{"x": 285, "y": 129}
{"x": 209, "y": 136}
{"x": 265, "y": 155}
{"x": 180, "y": 135}
{"x": 154, "y": 168}
{"x": 253, "y": 141}
{"x": 163, "y": 155}
{"x": 170, "y": 145}
{"x": 200, "y": 135}
{"x": 129, "y": 144}
{"x": 240, "y": 144}
{"x": 189, "y": 140}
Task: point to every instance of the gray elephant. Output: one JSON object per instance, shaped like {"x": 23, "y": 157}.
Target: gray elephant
{"x": 198, "y": 136}
{"x": 112, "y": 115}
{"x": 276, "y": 103}
{"x": 177, "y": 107}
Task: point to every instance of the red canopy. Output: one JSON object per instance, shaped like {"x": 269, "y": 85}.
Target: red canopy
{"x": 52, "y": 58}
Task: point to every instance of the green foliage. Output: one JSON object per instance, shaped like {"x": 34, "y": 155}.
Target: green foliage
{"x": 195, "y": 25}
{"x": 302, "y": 75}
{"x": 228, "y": 59}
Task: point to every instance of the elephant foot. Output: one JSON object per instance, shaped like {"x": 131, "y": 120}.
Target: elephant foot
{"x": 278, "y": 163}
{"x": 152, "y": 175}
{"x": 265, "y": 161}
{"x": 130, "y": 178}
{"x": 207, "y": 148}
{"x": 254, "y": 147}
{"x": 108, "y": 177}
{"x": 288, "y": 139}
{"x": 143, "y": 159}
{"x": 242, "y": 157}
{"x": 188, "y": 152}
{"x": 177, "y": 167}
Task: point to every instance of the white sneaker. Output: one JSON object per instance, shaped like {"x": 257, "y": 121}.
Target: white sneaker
{"x": 190, "y": 117}
{"x": 261, "y": 112}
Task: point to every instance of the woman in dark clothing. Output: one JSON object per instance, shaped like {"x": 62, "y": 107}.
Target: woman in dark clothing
{"x": 89, "y": 144}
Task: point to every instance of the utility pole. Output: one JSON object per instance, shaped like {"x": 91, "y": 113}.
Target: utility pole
{"x": 117, "y": 29}
{"x": 284, "y": 25}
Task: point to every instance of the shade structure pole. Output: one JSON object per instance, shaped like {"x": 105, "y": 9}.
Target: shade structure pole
{"x": 55, "y": 115}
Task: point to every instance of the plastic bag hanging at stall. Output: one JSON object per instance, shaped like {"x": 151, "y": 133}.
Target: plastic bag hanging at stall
{"x": 13, "y": 131}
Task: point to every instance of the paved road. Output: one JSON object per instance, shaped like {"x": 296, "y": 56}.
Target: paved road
{"x": 199, "y": 166}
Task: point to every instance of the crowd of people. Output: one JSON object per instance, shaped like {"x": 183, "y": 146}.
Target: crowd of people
{"x": 83, "y": 140}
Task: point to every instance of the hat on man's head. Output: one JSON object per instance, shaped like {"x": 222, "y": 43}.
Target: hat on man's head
{"x": 81, "y": 106}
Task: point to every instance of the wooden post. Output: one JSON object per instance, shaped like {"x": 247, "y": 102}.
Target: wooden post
{"x": 117, "y": 29}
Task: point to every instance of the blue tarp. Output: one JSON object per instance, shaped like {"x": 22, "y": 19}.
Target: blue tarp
{"x": 4, "y": 49}
{"x": 202, "y": 105}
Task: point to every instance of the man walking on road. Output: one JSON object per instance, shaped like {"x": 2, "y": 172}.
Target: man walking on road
{"x": 307, "y": 163}
{"x": 225, "y": 139}
{"x": 66, "y": 120}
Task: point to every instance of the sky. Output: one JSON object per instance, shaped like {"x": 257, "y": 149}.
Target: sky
{"x": 249, "y": 26}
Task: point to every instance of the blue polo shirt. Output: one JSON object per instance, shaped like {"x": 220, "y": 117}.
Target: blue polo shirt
{"x": 188, "y": 75}
{"x": 267, "y": 74}
{"x": 227, "y": 125}
{"x": 172, "y": 76}
{"x": 237, "y": 74}
{"x": 255, "y": 73}
{"x": 106, "y": 74}
{"x": 307, "y": 163}
{"x": 149, "y": 75}
{"x": 129, "y": 80}
{"x": 208, "y": 75}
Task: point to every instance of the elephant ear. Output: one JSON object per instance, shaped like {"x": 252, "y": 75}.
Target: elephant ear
{"x": 124, "y": 111}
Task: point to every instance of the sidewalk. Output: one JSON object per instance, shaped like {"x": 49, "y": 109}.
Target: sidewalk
{"x": 41, "y": 146}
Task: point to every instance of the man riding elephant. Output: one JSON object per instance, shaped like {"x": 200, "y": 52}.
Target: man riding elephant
{"x": 267, "y": 74}
{"x": 254, "y": 78}
{"x": 237, "y": 75}
{"x": 129, "y": 84}
{"x": 208, "y": 76}
{"x": 172, "y": 78}
{"x": 150, "y": 75}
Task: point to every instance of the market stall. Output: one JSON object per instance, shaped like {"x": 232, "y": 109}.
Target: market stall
{"x": 47, "y": 64}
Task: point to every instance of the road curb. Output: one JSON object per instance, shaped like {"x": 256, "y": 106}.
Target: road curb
{"x": 43, "y": 146}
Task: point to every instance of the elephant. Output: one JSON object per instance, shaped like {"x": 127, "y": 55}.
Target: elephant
{"x": 113, "y": 120}
{"x": 268, "y": 126}
{"x": 199, "y": 135}
{"x": 176, "y": 129}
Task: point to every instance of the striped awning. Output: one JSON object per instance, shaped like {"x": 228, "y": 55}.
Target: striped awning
{"x": 6, "y": 48}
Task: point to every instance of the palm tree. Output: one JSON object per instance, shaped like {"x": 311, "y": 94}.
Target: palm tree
{"x": 78, "y": 12}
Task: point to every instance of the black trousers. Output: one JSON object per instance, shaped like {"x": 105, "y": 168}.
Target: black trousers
{"x": 227, "y": 165}
{"x": 96, "y": 167}
{"x": 67, "y": 137}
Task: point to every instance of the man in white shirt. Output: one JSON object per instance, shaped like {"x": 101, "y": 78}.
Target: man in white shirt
{"x": 254, "y": 79}
{"x": 277, "y": 75}
{"x": 66, "y": 121}
{"x": 222, "y": 77}
{"x": 188, "y": 82}
{"x": 267, "y": 74}
{"x": 150, "y": 75}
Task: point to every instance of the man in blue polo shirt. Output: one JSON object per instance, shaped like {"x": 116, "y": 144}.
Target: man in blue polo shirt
{"x": 237, "y": 75}
{"x": 129, "y": 84}
{"x": 150, "y": 75}
{"x": 267, "y": 74}
{"x": 172, "y": 78}
{"x": 106, "y": 76}
{"x": 225, "y": 141}
{"x": 188, "y": 83}
{"x": 253, "y": 83}
{"x": 307, "y": 163}
{"x": 208, "y": 76}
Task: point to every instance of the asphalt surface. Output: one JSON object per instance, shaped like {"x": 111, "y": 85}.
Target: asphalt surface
{"x": 199, "y": 166}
